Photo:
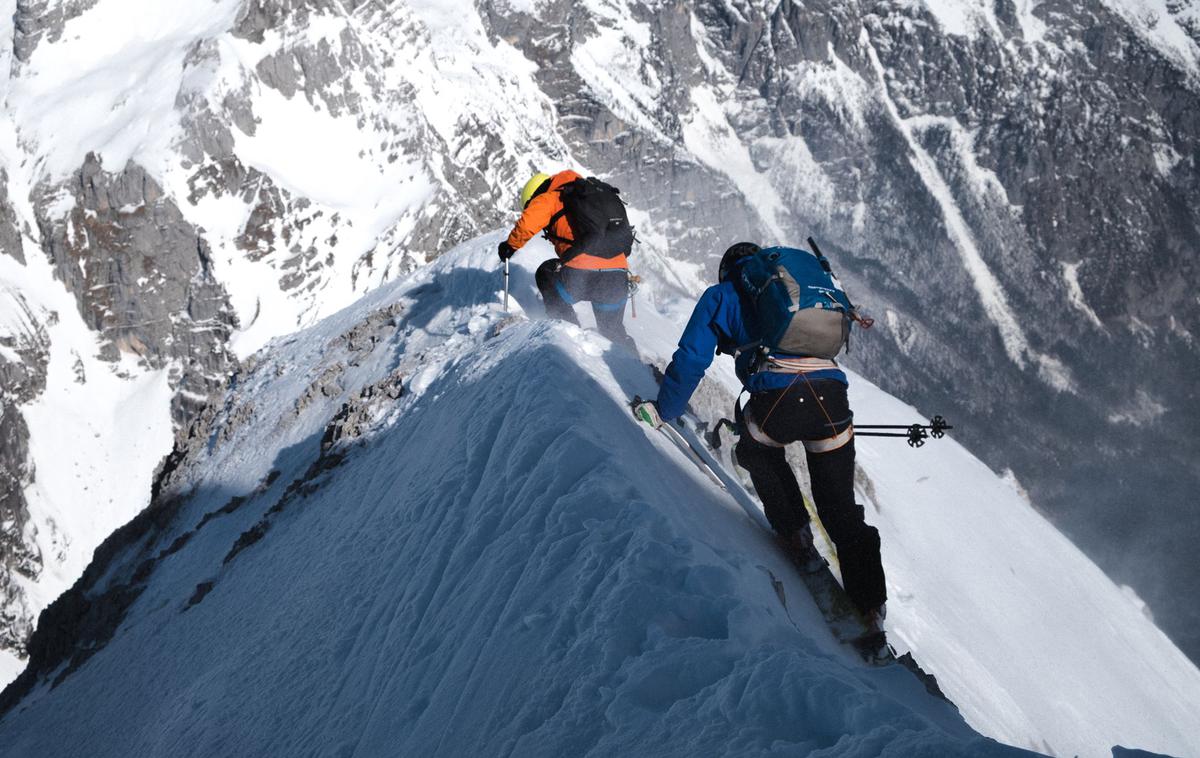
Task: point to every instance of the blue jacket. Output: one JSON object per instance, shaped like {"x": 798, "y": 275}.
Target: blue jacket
{"x": 719, "y": 322}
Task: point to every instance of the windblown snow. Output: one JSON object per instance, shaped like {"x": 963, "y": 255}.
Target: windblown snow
{"x": 500, "y": 561}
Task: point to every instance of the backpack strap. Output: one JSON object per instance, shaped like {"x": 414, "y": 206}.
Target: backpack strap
{"x": 554, "y": 220}
{"x": 547, "y": 233}
{"x": 570, "y": 253}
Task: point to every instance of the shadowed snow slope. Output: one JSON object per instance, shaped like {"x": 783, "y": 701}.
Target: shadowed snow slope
{"x": 496, "y": 560}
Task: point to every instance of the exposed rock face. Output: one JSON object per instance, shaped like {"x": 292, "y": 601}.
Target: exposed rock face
{"x": 19, "y": 558}
{"x": 357, "y": 416}
{"x": 35, "y": 20}
{"x": 143, "y": 278}
{"x": 23, "y": 359}
{"x": 10, "y": 234}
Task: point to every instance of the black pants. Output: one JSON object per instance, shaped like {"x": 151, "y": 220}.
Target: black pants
{"x": 606, "y": 289}
{"x": 804, "y": 412}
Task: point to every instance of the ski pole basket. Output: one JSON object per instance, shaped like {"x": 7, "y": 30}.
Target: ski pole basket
{"x": 916, "y": 434}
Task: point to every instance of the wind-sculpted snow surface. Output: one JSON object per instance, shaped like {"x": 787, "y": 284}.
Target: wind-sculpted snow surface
{"x": 233, "y": 170}
{"x": 507, "y": 565}
{"x": 490, "y": 557}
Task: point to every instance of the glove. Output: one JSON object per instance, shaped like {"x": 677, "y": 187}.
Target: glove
{"x": 505, "y": 251}
{"x": 647, "y": 413}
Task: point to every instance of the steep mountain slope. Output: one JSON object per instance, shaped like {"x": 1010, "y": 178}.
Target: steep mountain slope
{"x": 404, "y": 534}
{"x": 185, "y": 209}
{"x": 1011, "y": 187}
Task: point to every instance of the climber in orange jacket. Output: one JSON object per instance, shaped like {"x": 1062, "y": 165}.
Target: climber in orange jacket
{"x": 585, "y": 220}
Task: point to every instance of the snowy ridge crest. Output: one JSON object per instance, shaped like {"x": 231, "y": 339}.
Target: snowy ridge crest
{"x": 985, "y": 158}
{"x": 409, "y": 487}
{"x": 528, "y": 544}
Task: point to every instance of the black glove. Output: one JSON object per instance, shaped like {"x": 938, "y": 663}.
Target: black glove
{"x": 505, "y": 251}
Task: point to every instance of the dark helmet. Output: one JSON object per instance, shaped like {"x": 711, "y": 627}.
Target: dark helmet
{"x": 734, "y": 254}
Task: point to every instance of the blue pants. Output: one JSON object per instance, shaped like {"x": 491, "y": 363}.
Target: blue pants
{"x": 606, "y": 289}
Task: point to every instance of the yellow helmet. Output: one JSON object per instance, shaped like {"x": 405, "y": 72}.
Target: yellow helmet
{"x": 531, "y": 187}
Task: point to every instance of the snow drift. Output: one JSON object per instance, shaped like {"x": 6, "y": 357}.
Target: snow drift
{"x": 409, "y": 531}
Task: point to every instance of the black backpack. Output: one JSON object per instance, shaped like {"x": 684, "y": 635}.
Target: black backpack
{"x": 597, "y": 217}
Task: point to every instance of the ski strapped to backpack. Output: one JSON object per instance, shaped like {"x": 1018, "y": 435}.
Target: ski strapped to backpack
{"x": 799, "y": 305}
{"x": 596, "y": 214}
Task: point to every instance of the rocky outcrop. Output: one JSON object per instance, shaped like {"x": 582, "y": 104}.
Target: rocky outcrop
{"x": 357, "y": 416}
{"x": 18, "y": 557}
{"x": 37, "y": 20}
{"x": 23, "y": 359}
{"x": 10, "y": 233}
{"x": 143, "y": 279}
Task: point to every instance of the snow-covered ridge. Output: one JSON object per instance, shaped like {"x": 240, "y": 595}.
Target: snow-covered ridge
{"x": 481, "y": 553}
{"x": 720, "y": 120}
{"x": 225, "y": 124}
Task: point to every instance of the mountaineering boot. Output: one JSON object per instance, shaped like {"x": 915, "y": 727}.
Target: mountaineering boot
{"x": 874, "y": 618}
{"x": 800, "y": 548}
{"x": 872, "y": 645}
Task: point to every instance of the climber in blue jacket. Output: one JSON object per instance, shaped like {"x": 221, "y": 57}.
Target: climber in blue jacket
{"x": 792, "y": 398}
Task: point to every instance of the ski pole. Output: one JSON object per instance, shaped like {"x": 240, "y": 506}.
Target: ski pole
{"x": 506, "y": 285}
{"x": 937, "y": 427}
{"x": 916, "y": 434}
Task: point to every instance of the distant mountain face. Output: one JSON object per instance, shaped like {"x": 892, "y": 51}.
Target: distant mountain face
{"x": 1011, "y": 188}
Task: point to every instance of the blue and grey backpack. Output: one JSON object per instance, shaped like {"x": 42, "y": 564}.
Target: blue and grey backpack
{"x": 798, "y": 303}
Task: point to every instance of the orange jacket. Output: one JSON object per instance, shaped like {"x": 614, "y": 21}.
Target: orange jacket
{"x": 536, "y": 218}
